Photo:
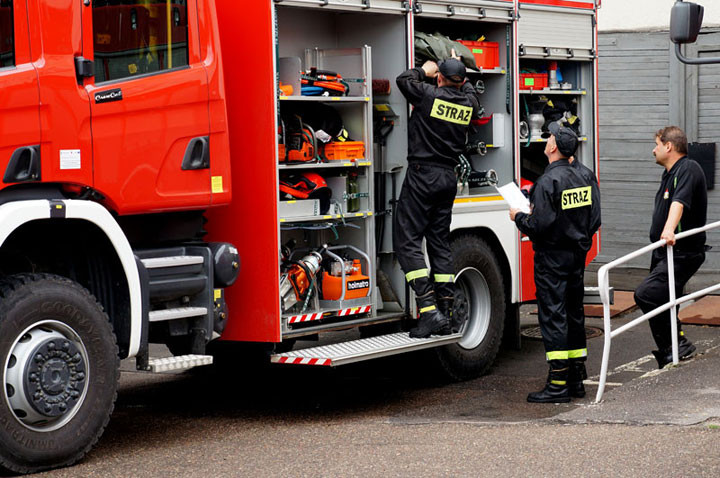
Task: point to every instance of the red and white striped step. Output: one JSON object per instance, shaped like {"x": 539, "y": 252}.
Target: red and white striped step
{"x": 296, "y": 319}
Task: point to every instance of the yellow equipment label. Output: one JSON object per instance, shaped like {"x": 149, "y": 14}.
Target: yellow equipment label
{"x": 578, "y": 197}
{"x": 446, "y": 111}
{"x": 217, "y": 184}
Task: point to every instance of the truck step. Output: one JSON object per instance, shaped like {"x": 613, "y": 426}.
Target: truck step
{"x": 362, "y": 349}
{"x": 181, "y": 362}
{"x": 173, "y": 261}
{"x": 178, "y": 313}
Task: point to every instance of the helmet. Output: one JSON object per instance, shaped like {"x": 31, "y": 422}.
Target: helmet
{"x": 307, "y": 186}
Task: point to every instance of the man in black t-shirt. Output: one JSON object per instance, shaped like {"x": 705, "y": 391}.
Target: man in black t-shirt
{"x": 680, "y": 205}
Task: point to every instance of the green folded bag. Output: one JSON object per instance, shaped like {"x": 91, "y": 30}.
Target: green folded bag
{"x": 437, "y": 47}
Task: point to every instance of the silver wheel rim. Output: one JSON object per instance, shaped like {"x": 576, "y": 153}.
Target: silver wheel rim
{"x": 23, "y": 358}
{"x": 472, "y": 285}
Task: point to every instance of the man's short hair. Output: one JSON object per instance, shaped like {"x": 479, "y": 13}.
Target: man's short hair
{"x": 674, "y": 135}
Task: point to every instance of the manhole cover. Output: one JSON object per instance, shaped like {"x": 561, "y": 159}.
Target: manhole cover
{"x": 534, "y": 332}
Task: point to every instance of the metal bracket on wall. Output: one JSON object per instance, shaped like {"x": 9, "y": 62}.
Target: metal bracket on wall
{"x": 417, "y": 8}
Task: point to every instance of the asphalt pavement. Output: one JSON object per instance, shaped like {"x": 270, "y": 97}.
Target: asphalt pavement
{"x": 390, "y": 417}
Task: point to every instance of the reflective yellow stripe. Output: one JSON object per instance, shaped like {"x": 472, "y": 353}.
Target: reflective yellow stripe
{"x": 412, "y": 275}
{"x": 481, "y": 199}
{"x": 682, "y": 333}
{"x": 444, "y": 277}
{"x": 427, "y": 309}
{"x": 557, "y": 355}
{"x": 577, "y": 353}
{"x": 558, "y": 382}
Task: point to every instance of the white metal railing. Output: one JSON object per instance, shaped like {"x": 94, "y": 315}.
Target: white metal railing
{"x": 604, "y": 289}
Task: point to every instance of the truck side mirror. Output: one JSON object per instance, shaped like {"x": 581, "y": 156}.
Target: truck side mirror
{"x": 685, "y": 22}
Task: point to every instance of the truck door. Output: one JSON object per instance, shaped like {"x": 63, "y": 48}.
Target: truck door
{"x": 149, "y": 104}
{"x": 19, "y": 94}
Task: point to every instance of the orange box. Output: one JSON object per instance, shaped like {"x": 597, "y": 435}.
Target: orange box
{"x": 348, "y": 150}
{"x": 356, "y": 286}
{"x": 533, "y": 81}
{"x": 486, "y": 53}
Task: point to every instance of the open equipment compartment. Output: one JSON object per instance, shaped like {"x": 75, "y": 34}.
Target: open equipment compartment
{"x": 572, "y": 92}
{"x": 495, "y": 130}
{"x": 360, "y": 45}
{"x": 570, "y": 51}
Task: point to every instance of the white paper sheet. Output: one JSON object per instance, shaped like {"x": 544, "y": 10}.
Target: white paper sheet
{"x": 514, "y": 197}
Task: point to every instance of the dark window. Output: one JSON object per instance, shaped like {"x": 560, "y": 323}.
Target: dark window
{"x": 7, "y": 37}
{"x": 135, "y": 37}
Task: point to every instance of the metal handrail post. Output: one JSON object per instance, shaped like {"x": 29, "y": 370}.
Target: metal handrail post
{"x": 603, "y": 286}
{"x": 673, "y": 301}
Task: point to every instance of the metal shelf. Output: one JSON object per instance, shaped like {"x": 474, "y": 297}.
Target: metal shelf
{"x": 334, "y": 307}
{"x": 483, "y": 71}
{"x": 329, "y": 165}
{"x": 328, "y": 99}
{"x": 548, "y": 91}
{"x": 327, "y": 217}
{"x": 545, "y": 140}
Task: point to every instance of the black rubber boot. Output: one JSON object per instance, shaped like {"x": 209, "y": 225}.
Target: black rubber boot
{"x": 556, "y": 388}
{"x": 576, "y": 375}
{"x": 432, "y": 322}
{"x": 446, "y": 306}
{"x": 686, "y": 350}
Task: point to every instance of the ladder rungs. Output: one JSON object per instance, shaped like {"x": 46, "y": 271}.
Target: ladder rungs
{"x": 172, "y": 261}
{"x": 178, "y": 313}
{"x": 181, "y": 362}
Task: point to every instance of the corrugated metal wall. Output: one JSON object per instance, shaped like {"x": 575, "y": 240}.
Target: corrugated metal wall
{"x": 634, "y": 104}
{"x": 643, "y": 88}
{"x": 706, "y": 104}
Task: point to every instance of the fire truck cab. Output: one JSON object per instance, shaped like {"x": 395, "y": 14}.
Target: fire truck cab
{"x": 143, "y": 146}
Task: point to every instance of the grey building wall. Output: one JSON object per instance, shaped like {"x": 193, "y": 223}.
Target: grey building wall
{"x": 643, "y": 88}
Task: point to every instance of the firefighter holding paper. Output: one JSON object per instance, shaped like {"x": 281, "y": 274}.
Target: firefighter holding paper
{"x": 438, "y": 131}
{"x": 564, "y": 217}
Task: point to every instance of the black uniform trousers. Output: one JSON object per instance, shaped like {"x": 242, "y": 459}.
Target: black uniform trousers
{"x": 654, "y": 290}
{"x": 560, "y": 290}
{"x": 425, "y": 211}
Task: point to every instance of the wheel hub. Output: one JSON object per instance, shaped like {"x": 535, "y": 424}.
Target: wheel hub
{"x": 46, "y": 375}
{"x": 55, "y": 377}
{"x": 473, "y": 306}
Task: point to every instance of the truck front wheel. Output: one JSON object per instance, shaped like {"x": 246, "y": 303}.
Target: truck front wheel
{"x": 60, "y": 372}
{"x": 480, "y": 303}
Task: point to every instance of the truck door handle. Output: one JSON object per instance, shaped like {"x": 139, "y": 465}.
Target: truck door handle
{"x": 197, "y": 154}
{"x": 24, "y": 165}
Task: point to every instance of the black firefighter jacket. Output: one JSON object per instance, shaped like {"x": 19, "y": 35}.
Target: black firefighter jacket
{"x": 439, "y": 124}
{"x": 565, "y": 209}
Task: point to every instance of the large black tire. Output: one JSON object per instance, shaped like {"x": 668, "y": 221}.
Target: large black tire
{"x": 481, "y": 282}
{"x": 61, "y": 368}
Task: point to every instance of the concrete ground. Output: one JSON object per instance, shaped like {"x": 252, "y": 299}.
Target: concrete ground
{"x": 389, "y": 417}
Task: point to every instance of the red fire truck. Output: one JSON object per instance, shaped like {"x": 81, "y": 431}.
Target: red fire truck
{"x": 215, "y": 174}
